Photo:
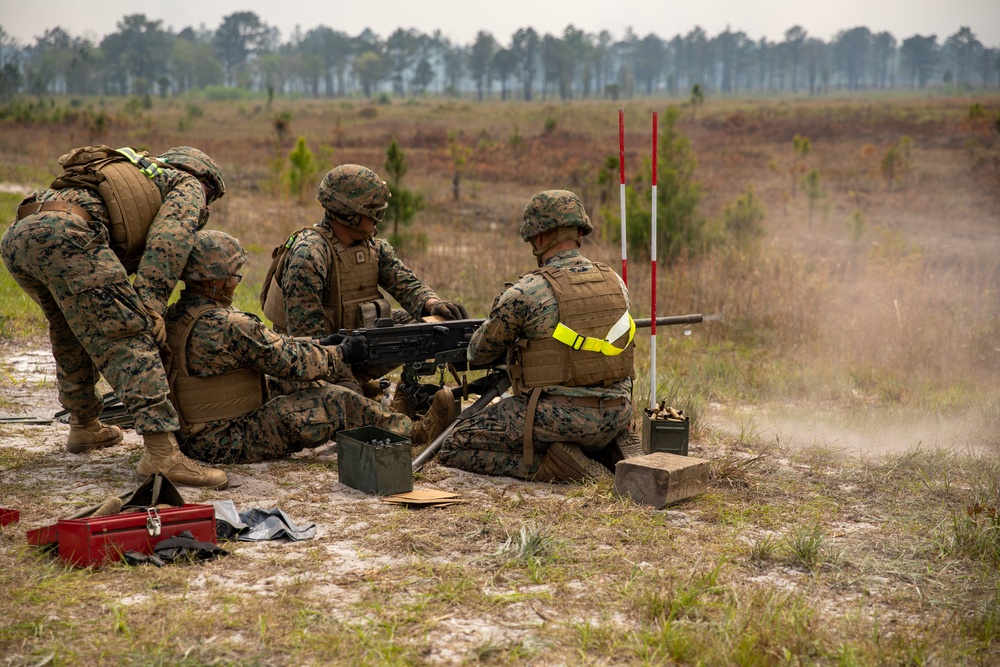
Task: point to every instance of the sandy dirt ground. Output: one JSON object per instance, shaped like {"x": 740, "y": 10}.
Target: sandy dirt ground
{"x": 29, "y": 391}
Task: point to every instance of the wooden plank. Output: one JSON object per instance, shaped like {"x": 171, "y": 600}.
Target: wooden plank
{"x": 660, "y": 479}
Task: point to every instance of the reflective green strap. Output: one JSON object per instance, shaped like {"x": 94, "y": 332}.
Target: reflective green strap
{"x": 565, "y": 335}
{"x": 145, "y": 165}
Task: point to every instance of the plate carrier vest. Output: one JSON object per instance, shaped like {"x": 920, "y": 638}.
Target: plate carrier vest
{"x": 124, "y": 180}
{"x": 353, "y": 299}
{"x": 591, "y": 304}
{"x": 201, "y": 400}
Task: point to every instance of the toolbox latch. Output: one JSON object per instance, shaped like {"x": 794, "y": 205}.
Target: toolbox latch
{"x": 153, "y": 522}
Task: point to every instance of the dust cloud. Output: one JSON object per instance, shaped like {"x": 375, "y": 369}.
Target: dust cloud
{"x": 859, "y": 433}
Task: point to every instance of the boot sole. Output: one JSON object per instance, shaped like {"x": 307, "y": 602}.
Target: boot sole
{"x": 83, "y": 449}
{"x": 630, "y": 445}
{"x": 574, "y": 458}
{"x": 140, "y": 478}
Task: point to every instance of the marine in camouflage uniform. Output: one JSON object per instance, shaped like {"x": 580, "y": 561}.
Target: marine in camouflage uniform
{"x": 99, "y": 322}
{"x": 573, "y": 427}
{"x": 354, "y": 199}
{"x": 211, "y": 340}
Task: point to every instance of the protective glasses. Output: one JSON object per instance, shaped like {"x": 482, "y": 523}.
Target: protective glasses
{"x": 377, "y": 214}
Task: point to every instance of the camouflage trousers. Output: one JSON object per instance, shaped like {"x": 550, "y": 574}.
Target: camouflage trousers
{"x": 290, "y": 423}
{"x": 97, "y": 323}
{"x": 491, "y": 442}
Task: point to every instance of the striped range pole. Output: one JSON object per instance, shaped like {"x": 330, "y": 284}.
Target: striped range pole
{"x": 621, "y": 187}
{"x": 652, "y": 256}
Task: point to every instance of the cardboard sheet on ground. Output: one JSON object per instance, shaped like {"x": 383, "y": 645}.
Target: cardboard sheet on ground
{"x": 424, "y": 498}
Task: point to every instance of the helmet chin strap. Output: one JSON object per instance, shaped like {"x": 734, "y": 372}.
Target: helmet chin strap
{"x": 212, "y": 290}
{"x": 353, "y": 221}
{"x": 562, "y": 234}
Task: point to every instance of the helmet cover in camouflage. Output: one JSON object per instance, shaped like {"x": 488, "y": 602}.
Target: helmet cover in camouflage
{"x": 199, "y": 165}
{"x": 350, "y": 190}
{"x": 551, "y": 209}
{"x": 214, "y": 255}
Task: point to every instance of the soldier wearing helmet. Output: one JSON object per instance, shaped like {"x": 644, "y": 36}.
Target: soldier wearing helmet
{"x": 331, "y": 276}
{"x": 567, "y": 334}
{"x": 228, "y": 371}
{"x": 199, "y": 165}
{"x": 113, "y": 213}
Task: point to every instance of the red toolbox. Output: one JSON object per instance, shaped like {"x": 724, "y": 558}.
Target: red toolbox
{"x": 91, "y": 542}
{"x": 9, "y": 516}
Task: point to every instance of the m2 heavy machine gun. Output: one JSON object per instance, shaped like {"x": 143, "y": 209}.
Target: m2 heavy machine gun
{"x": 429, "y": 348}
{"x": 424, "y": 349}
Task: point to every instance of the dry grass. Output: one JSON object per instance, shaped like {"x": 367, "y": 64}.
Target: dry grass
{"x": 870, "y": 562}
{"x": 824, "y": 341}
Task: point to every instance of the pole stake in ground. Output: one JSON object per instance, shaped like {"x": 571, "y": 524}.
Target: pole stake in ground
{"x": 621, "y": 187}
{"x": 652, "y": 262}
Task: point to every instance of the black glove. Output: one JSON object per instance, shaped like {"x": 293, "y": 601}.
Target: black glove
{"x": 354, "y": 349}
{"x": 449, "y": 310}
{"x": 332, "y": 339}
{"x": 184, "y": 546}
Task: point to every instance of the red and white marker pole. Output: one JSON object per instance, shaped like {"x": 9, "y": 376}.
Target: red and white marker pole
{"x": 621, "y": 187}
{"x": 652, "y": 255}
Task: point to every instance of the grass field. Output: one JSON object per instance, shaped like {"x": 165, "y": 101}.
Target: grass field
{"x": 843, "y": 387}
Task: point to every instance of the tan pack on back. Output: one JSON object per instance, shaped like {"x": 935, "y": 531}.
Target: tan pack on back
{"x": 123, "y": 179}
{"x": 272, "y": 301}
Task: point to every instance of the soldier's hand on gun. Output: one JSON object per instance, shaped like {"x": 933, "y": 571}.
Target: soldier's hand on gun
{"x": 332, "y": 339}
{"x": 353, "y": 349}
{"x": 448, "y": 310}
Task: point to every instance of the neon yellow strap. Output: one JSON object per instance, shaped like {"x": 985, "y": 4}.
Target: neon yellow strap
{"x": 564, "y": 334}
{"x": 145, "y": 165}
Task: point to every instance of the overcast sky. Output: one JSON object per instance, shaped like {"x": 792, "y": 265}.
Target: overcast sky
{"x": 460, "y": 21}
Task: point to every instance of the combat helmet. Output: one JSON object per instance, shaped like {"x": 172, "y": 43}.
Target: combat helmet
{"x": 350, "y": 191}
{"x": 198, "y": 164}
{"x": 214, "y": 255}
{"x": 552, "y": 209}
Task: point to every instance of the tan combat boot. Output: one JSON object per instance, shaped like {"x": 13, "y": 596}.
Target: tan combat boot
{"x": 565, "y": 462}
{"x": 440, "y": 415}
{"x": 626, "y": 445}
{"x": 629, "y": 444}
{"x": 372, "y": 389}
{"x": 87, "y": 436}
{"x": 163, "y": 455}
{"x": 400, "y": 402}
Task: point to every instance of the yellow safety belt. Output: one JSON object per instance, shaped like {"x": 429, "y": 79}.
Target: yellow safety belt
{"x": 564, "y": 334}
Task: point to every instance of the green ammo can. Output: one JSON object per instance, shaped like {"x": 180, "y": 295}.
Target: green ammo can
{"x": 665, "y": 435}
{"x": 374, "y": 460}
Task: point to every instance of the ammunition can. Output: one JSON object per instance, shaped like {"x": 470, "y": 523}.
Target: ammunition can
{"x": 373, "y": 460}
{"x": 664, "y": 435}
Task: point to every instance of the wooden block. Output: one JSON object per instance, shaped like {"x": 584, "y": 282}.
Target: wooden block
{"x": 660, "y": 479}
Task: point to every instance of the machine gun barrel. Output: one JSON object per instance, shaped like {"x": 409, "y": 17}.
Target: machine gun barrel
{"x": 645, "y": 322}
